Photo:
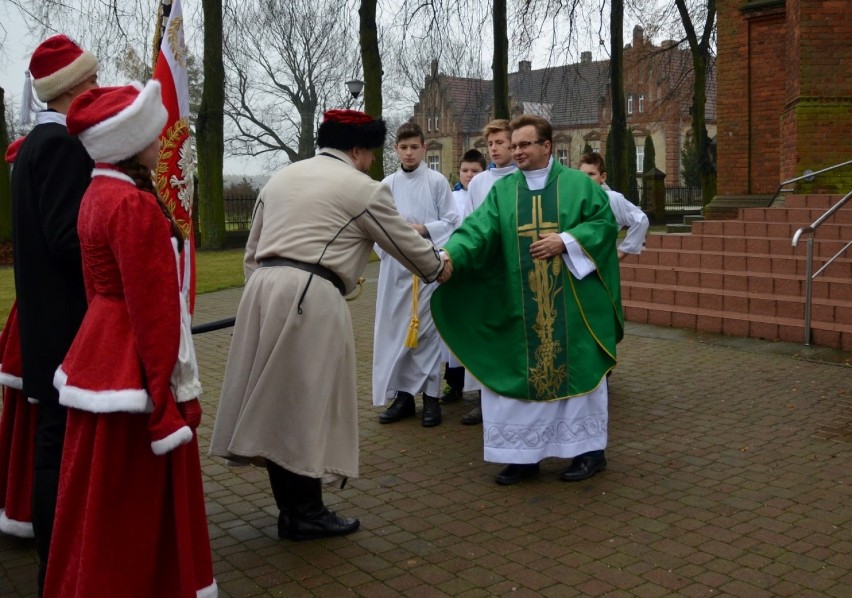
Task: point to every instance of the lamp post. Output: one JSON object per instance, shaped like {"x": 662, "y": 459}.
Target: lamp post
{"x": 355, "y": 87}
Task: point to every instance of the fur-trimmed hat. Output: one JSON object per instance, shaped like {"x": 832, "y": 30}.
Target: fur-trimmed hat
{"x": 12, "y": 150}
{"x": 58, "y": 64}
{"x": 345, "y": 129}
{"x": 115, "y": 123}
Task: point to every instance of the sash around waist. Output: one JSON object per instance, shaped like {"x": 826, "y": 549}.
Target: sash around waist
{"x": 315, "y": 269}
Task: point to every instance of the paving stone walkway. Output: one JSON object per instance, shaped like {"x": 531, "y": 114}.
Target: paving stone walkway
{"x": 730, "y": 474}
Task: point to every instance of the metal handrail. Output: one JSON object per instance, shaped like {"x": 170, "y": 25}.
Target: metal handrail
{"x": 804, "y": 177}
{"x": 809, "y": 264}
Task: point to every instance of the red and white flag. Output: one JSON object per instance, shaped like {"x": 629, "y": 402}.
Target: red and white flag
{"x": 176, "y": 169}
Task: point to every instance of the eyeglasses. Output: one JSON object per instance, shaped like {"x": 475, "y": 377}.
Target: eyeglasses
{"x": 523, "y": 145}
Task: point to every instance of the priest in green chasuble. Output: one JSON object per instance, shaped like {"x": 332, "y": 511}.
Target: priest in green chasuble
{"x": 537, "y": 269}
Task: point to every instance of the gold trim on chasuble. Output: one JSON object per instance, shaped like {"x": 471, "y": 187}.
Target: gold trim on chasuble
{"x": 541, "y": 285}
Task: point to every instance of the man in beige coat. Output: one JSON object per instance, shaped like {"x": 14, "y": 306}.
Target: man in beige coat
{"x": 289, "y": 392}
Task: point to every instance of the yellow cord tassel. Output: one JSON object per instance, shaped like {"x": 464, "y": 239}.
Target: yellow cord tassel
{"x": 414, "y": 324}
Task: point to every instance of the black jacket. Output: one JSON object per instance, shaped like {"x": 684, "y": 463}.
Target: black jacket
{"x": 50, "y": 175}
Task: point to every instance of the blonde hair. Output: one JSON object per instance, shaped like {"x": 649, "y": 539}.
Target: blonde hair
{"x": 495, "y": 126}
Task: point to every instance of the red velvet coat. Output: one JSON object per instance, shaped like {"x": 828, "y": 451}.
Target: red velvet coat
{"x": 130, "y": 517}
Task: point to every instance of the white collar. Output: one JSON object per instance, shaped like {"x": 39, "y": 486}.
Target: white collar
{"x": 503, "y": 170}
{"x": 536, "y": 179}
{"x": 49, "y": 116}
{"x": 112, "y": 173}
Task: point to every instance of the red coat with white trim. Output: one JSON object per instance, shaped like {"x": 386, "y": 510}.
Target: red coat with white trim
{"x": 127, "y": 346}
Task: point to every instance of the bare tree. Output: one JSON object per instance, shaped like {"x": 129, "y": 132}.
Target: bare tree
{"x": 371, "y": 61}
{"x": 287, "y": 61}
{"x": 702, "y": 52}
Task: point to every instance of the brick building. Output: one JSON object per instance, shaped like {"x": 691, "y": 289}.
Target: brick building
{"x": 575, "y": 98}
{"x": 785, "y": 96}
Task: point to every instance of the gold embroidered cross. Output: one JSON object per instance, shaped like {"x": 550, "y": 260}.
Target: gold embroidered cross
{"x": 537, "y": 226}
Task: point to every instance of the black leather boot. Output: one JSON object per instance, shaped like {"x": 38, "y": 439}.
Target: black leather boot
{"x": 278, "y": 481}
{"x": 402, "y": 406}
{"x": 474, "y": 416}
{"x": 431, "y": 412}
{"x": 309, "y": 518}
{"x": 455, "y": 380}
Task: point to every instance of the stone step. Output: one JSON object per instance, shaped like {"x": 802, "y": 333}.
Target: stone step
{"x": 678, "y": 228}
{"x": 734, "y": 244}
{"x": 801, "y": 216}
{"x": 749, "y": 228}
{"x": 740, "y": 262}
{"x": 823, "y": 309}
{"x": 786, "y": 285}
{"x": 838, "y": 336}
{"x": 821, "y": 202}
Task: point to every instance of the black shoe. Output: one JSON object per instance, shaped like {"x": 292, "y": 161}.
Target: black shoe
{"x": 325, "y": 525}
{"x": 451, "y": 396}
{"x": 431, "y": 415}
{"x": 473, "y": 417}
{"x": 583, "y": 467}
{"x": 402, "y": 406}
{"x": 516, "y": 472}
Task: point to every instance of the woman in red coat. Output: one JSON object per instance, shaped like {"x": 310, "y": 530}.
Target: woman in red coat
{"x": 17, "y": 426}
{"x": 130, "y": 517}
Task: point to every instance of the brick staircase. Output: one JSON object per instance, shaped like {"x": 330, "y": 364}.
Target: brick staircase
{"x": 742, "y": 277}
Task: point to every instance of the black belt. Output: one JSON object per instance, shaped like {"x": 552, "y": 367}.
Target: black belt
{"x": 316, "y": 269}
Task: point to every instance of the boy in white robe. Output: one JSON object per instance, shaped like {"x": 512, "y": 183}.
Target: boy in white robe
{"x": 406, "y": 344}
{"x": 627, "y": 214}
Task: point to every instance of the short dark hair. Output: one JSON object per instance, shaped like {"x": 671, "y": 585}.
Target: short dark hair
{"x": 345, "y": 136}
{"x": 474, "y": 155}
{"x": 542, "y": 127}
{"x": 594, "y": 159}
{"x": 410, "y": 129}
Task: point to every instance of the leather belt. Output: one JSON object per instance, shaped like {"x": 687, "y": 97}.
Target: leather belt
{"x": 316, "y": 269}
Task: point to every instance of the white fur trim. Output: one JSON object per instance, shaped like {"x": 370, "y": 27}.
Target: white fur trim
{"x": 54, "y": 85}
{"x": 22, "y": 529}
{"x": 172, "y": 441}
{"x": 211, "y": 591}
{"x": 113, "y": 174}
{"x": 131, "y": 130}
{"x": 9, "y": 380}
{"x": 133, "y": 400}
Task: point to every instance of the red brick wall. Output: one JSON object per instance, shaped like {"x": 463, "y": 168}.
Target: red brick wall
{"x": 766, "y": 94}
{"x": 785, "y": 97}
{"x": 732, "y": 105}
{"x": 817, "y": 122}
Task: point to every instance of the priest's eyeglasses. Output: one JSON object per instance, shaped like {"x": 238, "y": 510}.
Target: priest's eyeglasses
{"x": 523, "y": 145}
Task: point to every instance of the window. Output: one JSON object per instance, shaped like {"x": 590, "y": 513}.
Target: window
{"x": 434, "y": 162}
{"x": 641, "y": 103}
{"x": 429, "y": 125}
{"x": 630, "y": 104}
{"x": 562, "y": 156}
{"x": 437, "y": 128}
{"x": 596, "y": 146}
{"x": 640, "y": 157}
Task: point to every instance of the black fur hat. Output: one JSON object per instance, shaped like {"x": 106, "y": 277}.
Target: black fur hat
{"x": 345, "y": 129}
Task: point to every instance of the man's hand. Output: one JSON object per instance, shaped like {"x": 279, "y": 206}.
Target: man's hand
{"x": 549, "y": 245}
{"x": 447, "y": 272}
{"x": 420, "y": 228}
{"x": 621, "y": 255}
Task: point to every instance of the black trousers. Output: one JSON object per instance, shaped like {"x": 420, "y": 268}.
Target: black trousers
{"x": 295, "y": 495}
{"x": 454, "y": 377}
{"x": 50, "y": 437}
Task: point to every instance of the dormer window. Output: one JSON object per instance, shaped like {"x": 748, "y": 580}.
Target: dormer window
{"x": 641, "y": 103}
{"x": 437, "y": 128}
{"x": 630, "y": 104}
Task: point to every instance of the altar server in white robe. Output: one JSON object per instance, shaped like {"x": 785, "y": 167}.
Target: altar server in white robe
{"x": 498, "y": 137}
{"x": 406, "y": 344}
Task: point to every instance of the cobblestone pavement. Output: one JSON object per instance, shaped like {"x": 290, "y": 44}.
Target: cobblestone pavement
{"x": 730, "y": 464}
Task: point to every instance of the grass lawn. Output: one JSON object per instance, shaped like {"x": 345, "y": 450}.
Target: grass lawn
{"x": 216, "y": 270}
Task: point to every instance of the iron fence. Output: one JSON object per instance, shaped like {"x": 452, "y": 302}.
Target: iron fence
{"x": 238, "y": 212}
{"x": 678, "y": 200}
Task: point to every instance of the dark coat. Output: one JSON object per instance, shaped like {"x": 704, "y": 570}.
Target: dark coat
{"x": 50, "y": 175}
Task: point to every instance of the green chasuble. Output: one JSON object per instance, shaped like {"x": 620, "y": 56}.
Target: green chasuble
{"x": 525, "y": 328}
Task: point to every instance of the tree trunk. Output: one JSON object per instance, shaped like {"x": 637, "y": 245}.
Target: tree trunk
{"x": 500, "y": 66}
{"x": 210, "y": 131}
{"x": 5, "y": 180}
{"x": 700, "y": 49}
{"x": 617, "y": 165}
{"x": 372, "y": 63}
{"x": 306, "y": 131}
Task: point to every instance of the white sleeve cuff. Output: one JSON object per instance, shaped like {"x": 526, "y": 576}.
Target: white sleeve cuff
{"x": 172, "y": 441}
{"x": 576, "y": 259}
